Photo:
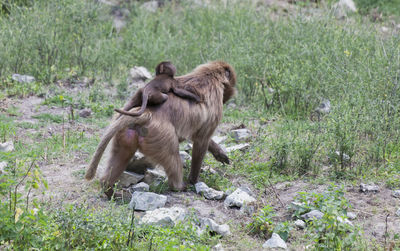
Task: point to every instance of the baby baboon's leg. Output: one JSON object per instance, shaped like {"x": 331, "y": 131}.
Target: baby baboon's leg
{"x": 124, "y": 146}
{"x": 135, "y": 101}
{"x": 185, "y": 94}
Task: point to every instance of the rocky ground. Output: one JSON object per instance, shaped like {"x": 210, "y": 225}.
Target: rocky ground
{"x": 376, "y": 208}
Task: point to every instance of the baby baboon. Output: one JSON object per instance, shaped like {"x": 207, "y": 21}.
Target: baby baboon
{"x": 156, "y": 91}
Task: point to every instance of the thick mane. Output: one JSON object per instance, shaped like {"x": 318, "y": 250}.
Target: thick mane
{"x": 213, "y": 77}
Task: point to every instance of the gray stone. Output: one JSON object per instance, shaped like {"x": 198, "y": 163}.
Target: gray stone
{"x": 369, "y": 188}
{"x": 164, "y": 216}
{"x": 154, "y": 176}
{"x": 275, "y": 242}
{"x": 246, "y": 189}
{"x": 231, "y": 105}
{"x": 300, "y": 224}
{"x": 344, "y": 7}
{"x": 241, "y": 134}
{"x": 398, "y": 212}
{"x": 345, "y": 221}
{"x": 127, "y": 178}
{"x": 7, "y": 146}
{"x": 219, "y": 139}
{"x": 345, "y": 156}
{"x": 139, "y": 73}
{"x": 150, "y": 6}
{"x": 140, "y": 187}
{"x": 314, "y": 214}
{"x": 208, "y": 169}
{"x": 23, "y": 78}
{"x": 295, "y": 206}
{"x": 248, "y": 209}
{"x": 145, "y": 201}
{"x": 119, "y": 23}
{"x": 208, "y": 192}
{"x": 237, "y": 147}
{"x": 324, "y": 107}
{"x": 238, "y": 198}
{"x": 187, "y": 147}
{"x": 3, "y": 165}
{"x": 217, "y": 247}
{"x": 139, "y": 164}
{"x": 222, "y": 230}
{"x": 84, "y": 113}
{"x": 185, "y": 157}
{"x": 396, "y": 193}
{"x": 351, "y": 215}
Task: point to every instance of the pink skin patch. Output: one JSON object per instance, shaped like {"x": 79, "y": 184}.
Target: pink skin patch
{"x": 141, "y": 139}
{"x": 132, "y": 134}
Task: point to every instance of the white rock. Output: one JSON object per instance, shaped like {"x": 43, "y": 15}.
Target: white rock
{"x": 184, "y": 156}
{"x": 119, "y": 23}
{"x": 248, "y": 209}
{"x": 351, "y": 215}
{"x": 343, "y": 7}
{"x": 385, "y": 29}
{"x": 314, "y": 214}
{"x": 208, "y": 192}
{"x": 345, "y": 156}
{"x": 139, "y": 73}
{"x": 241, "y": 134}
{"x": 208, "y": 169}
{"x": 300, "y": 224}
{"x": 150, "y": 6}
{"x": 187, "y": 147}
{"x": 127, "y": 178}
{"x": 3, "y": 165}
{"x": 145, "y": 201}
{"x": 154, "y": 176}
{"x": 140, "y": 187}
{"x": 219, "y": 139}
{"x": 396, "y": 193}
{"x": 238, "y": 198}
{"x": 369, "y": 188}
{"x": 345, "y": 221}
{"x": 398, "y": 212}
{"x": 84, "y": 113}
{"x": 324, "y": 107}
{"x": 23, "y": 78}
{"x": 237, "y": 147}
{"x": 275, "y": 242}
{"x": 7, "y": 146}
{"x": 231, "y": 105}
{"x": 217, "y": 247}
{"x": 294, "y": 205}
{"x": 222, "y": 230}
{"x": 164, "y": 216}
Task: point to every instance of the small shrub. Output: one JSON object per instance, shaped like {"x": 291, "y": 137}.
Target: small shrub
{"x": 262, "y": 224}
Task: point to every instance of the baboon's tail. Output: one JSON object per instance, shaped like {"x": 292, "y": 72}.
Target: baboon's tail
{"x": 115, "y": 127}
{"x": 142, "y": 108}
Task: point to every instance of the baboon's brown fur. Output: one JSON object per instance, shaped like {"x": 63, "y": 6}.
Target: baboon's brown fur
{"x": 173, "y": 121}
{"x": 155, "y": 92}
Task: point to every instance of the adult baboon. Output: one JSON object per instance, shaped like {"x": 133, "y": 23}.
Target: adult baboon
{"x": 155, "y": 92}
{"x": 168, "y": 124}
